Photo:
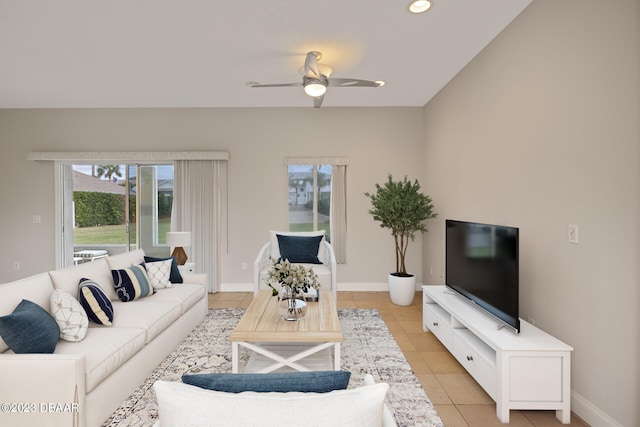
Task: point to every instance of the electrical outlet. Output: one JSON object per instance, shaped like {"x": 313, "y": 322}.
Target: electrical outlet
{"x": 572, "y": 233}
{"x": 244, "y": 265}
{"x": 16, "y": 265}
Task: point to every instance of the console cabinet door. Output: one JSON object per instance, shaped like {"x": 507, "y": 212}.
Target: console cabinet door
{"x": 438, "y": 321}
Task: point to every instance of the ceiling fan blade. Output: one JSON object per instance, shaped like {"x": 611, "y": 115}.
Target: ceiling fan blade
{"x": 317, "y": 101}
{"x": 311, "y": 68}
{"x": 256, "y": 84}
{"x": 354, "y": 83}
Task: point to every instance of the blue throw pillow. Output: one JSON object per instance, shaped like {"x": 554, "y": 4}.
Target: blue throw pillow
{"x": 283, "y": 382}
{"x": 94, "y": 301}
{"x": 174, "y": 276}
{"x": 299, "y": 248}
{"x": 29, "y": 329}
{"x": 132, "y": 283}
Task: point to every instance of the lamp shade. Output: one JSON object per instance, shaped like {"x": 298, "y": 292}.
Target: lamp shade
{"x": 179, "y": 238}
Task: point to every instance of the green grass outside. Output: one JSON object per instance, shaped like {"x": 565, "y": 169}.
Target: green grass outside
{"x": 114, "y": 234}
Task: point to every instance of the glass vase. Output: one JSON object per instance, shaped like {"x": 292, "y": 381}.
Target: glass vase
{"x": 292, "y": 304}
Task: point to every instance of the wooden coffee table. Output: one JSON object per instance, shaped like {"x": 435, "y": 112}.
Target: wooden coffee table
{"x": 277, "y": 344}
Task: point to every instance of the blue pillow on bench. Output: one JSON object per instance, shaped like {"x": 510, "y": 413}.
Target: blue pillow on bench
{"x": 303, "y": 249}
{"x": 283, "y": 382}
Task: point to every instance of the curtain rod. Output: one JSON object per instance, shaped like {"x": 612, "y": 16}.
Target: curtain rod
{"x": 126, "y": 156}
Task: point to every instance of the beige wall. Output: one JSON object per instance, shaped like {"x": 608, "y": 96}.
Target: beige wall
{"x": 539, "y": 131}
{"x": 375, "y": 140}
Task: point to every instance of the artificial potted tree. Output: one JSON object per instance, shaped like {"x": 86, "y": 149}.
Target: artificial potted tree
{"x": 403, "y": 208}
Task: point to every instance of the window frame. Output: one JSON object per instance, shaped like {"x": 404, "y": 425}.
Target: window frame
{"x": 316, "y": 162}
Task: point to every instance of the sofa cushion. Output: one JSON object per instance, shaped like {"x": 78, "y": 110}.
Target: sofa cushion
{"x": 313, "y": 381}
{"x": 29, "y": 329}
{"x": 98, "y": 307}
{"x": 105, "y": 350}
{"x": 36, "y": 288}
{"x": 150, "y": 316}
{"x": 298, "y": 249}
{"x": 175, "y": 276}
{"x": 159, "y": 273}
{"x": 69, "y": 315}
{"x": 185, "y": 405}
{"x": 185, "y": 294}
{"x": 273, "y": 239}
{"x": 132, "y": 283}
{"x": 125, "y": 259}
{"x": 68, "y": 278}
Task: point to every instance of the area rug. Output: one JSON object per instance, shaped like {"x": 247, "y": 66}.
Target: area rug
{"x": 368, "y": 347}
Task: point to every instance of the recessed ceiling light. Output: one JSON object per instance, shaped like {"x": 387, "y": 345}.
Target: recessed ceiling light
{"x": 419, "y": 6}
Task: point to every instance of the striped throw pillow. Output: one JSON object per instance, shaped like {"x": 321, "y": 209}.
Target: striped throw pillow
{"x": 132, "y": 283}
{"x": 94, "y": 301}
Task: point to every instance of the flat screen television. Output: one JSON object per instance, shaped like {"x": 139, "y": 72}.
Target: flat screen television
{"x": 482, "y": 267}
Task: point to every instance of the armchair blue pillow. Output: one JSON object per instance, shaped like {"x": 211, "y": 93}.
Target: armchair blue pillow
{"x": 302, "y": 249}
{"x": 283, "y": 382}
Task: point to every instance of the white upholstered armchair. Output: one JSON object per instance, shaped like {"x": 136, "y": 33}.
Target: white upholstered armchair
{"x": 326, "y": 271}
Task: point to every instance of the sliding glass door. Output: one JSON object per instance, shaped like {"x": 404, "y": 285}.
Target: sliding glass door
{"x": 109, "y": 209}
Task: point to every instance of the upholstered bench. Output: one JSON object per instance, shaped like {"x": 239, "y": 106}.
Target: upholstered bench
{"x": 315, "y": 398}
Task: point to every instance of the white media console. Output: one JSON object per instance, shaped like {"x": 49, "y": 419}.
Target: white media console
{"x": 529, "y": 370}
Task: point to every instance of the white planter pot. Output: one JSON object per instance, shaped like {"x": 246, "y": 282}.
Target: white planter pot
{"x": 402, "y": 290}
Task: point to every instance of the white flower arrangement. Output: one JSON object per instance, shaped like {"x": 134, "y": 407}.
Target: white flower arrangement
{"x": 295, "y": 276}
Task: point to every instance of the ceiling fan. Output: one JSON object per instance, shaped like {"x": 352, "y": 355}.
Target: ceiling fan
{"x": 315, "y": 79}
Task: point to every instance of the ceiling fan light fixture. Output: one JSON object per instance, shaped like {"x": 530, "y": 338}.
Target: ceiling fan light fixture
{"x": 315, "y": 87}
{"x": 419, "y": 6}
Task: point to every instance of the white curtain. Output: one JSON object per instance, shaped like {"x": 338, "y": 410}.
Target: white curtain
{"x": 339, "y": 212}
{"x": 199, "y": 206}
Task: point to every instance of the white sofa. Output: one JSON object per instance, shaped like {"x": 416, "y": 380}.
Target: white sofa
{"x": 326, "y": 271}
{"x": 87, "y": 381}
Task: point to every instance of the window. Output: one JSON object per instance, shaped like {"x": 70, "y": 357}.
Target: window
{"x": 310, "y": 198}
{"x": 317, "y": 199}
{"x": 111, "y": 207}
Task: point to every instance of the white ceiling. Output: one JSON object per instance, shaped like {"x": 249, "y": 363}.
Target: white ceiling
{"x": 201, "y": 53}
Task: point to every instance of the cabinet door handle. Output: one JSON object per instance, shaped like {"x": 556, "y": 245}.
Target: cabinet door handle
{"x": 435, "y": 323}
{"x": 470, "y": 358}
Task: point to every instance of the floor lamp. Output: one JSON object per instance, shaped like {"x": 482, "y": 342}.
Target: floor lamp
{"x": 178, "y": 240}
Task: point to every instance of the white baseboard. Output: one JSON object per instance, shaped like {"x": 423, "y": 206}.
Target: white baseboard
{"x": 347, "y": 286}
{"x": 590, "y": 413}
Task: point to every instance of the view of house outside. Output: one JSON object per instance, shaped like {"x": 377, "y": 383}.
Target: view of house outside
{"x": 309, "y": 197}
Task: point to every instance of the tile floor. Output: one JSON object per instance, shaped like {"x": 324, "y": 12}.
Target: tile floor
{"x": 459, "y": 400}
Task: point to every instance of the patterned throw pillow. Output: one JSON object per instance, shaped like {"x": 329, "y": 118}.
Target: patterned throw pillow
{"x": 69, "y": 315}
{"x": 29, "y": 329}
{"x": 175, "y": 277}
{"x": 159, "y": 273}
{"x": 132, "y": 283}
{"x": 96, "y": 304}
